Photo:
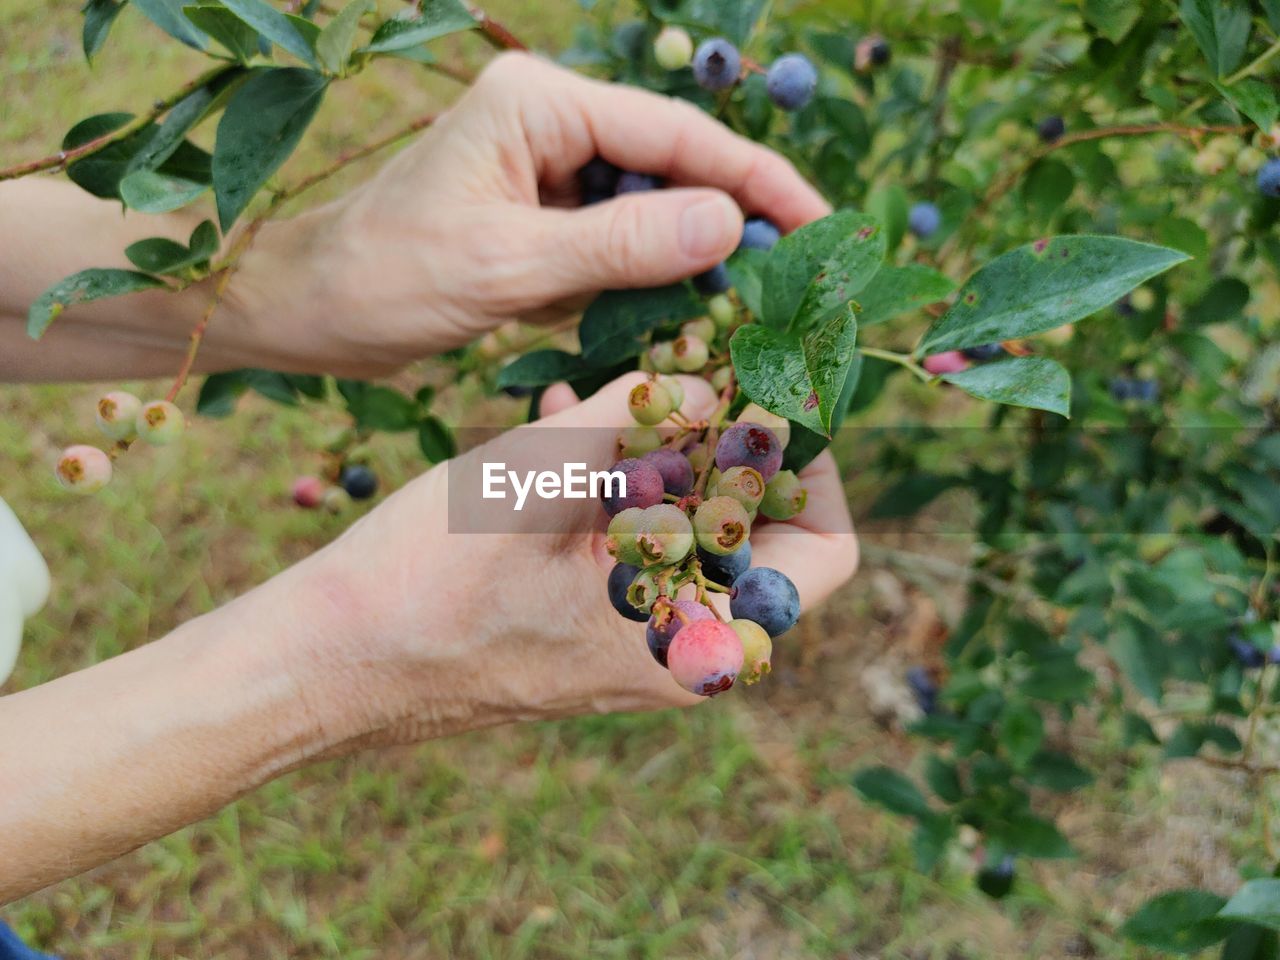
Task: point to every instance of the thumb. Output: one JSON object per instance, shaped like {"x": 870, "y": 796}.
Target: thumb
{"x": 640, "y": 240}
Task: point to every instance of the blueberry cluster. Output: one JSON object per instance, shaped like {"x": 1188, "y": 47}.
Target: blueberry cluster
{"x": 122, "y": 418}
{"x": 355, "y": 481}
{"x": 680, "y": 528}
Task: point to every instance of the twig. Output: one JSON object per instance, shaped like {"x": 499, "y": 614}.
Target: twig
{"x": 227, "y": 268}
{"x": 64, "y": 157}
{"x": 496, "y": 33}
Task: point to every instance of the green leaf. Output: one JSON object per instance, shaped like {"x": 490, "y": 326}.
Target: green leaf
{"x": 1139, "y": 656}
{"x": 614, "y": 326}
{"x": 99, "y": 15}
{"x": 382, "y": 408}
{"x": 816, "y": 271}
{"x": 1057, "y": 771}
{"x": 541, "y": 368}
{"x": 262, "y": 124}
{"x": 1033, "y": 836}
{"x": 1258, "y": 901}
{"x": 911, "y": 494}
{"x": 437, "y": 18}
{"x": 797, "y": 377}
{"x": 734, "y": 20}
{"x": 1138, "y": 730}
{"x": 82, "y": 287}
{"x": 1045, "y": 285}
{"x": 746, "y": 271}
{"x": 102, "y": 172}
{"x": 1255, "y": 99}
{"x": 239, "y": 39}
{"x": 219, "y": 393}
{"x": 204, "y": 240}
{"x": 149, "y": 192}
{"x": 929, "y": 842}
{"x": 338, "y": 37}
{"x": 169, "y": 135}
{"x": 1224, "y": 300}
{"x": 1035, "y": 382}
{"x": 167, "y": 15}
{"x": 889, "y": 207}
{"x": 1272, "y": 9}
{"x": 435, "y": 440}
{"x": 943, "y": 779}
{"x": 894, "y": 291}
{"x": 159, "y": 255}
{"x": 1112, "y": 18}
{"x": 1250, "y": 942}
{"x": 1182, "y": 921}
{"x": 1047, "y": 187}
{"x": 277, "y": 27}
{"x": 887, "y": 788}
{"x": 1021, "y": 732}
{"x": 1221, "y": 28}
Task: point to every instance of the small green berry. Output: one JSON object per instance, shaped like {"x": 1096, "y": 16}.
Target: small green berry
{"x": 663, "y": 356}
{"x": 160, "y": 422}
{"x": 676, "y": 389}
{"x": 650, "y": 403}
{"x": 721, "y": 378}
{"x": 721, "y": 525}
{"x": 337, "y": 500}
{"x": 665, "y": 536}
{"x": 691, "y": 354}
{"x": 784, "y": 498}
{"x": 673, "y": 48}
{"x": 636, "y": 441}
{"x": 723, "y": 314}
{"x": 644, "y": 590}
{"x": 1143, "y": 299}
{"x": 704, "y": 328}
{"x": 83, "y": 469}
{"x": 118, "y": 415}
{"x": 757, "y": 650}
{"x": 622, "y": 533}
{"x": 743, "y": 484}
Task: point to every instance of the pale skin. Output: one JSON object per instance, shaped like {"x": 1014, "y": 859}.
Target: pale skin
{"x": 395, "y": 632}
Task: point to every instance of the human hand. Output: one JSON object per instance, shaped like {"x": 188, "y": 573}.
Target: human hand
{"x": 476, "y": 223}
{"x": 432, "y": 631}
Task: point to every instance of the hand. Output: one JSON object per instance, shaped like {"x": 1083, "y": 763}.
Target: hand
{"x": 475, "y": 223}
{"x": 433, "y": 632}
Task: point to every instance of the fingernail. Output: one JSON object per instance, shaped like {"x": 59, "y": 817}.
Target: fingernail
{"x": 707, "y": 226}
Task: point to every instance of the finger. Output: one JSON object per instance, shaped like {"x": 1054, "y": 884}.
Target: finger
{"x": 639, "y": 240}
{"x": 569, "y": 119}
{"x": 557, "y": 398}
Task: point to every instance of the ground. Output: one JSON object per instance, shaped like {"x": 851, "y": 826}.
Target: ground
{"x": 726, "y": 831}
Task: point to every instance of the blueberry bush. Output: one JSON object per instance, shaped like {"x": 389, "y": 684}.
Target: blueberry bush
{"x": 1066, "y": 211}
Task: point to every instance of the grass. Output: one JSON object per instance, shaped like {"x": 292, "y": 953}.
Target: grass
{"x": 727, "y": 831}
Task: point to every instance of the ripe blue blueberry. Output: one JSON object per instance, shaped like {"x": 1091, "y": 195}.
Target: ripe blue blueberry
{"x": 598, "y": 181}
{"x": 791, "y": 82}
{"x": 759, "y": 234}
{"x": 637, "y": 183}
{"x": 1146, "y": 391}
{"x": 716, "y": 280}
{"x": 997, "y": 880}
{"x": 644, "y": 487}
{"x": 668, "y": 619}
{"x": 717, "y": 64}
{"x": 923, "y": 689}
{"x": 1269, "y": 178}
{"x": 1246, "y": 654}
{"x": 728, "y": 568}
{"x": 880, "y": 52}
{"x": 620, "y": 579}
{"x": 750, "y": 445}
{"x": 988, "y": 351}
{"x": 359, "y": 481}
{"x": 1051, "y": 129}
{"x": 677, "y": 473}
{"x": 924, "y": 219}
{"x": 768, "y": 597}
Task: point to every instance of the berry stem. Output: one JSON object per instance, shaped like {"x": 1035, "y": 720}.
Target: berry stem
{"x": 498, "y": 35}
{"x": 64, "y": 157}
{"x": 713, "y": 434}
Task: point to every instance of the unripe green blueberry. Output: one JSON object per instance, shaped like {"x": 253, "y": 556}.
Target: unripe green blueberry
{"x": 673, "y": 48}
{"x": 644, "y": 590}
{"x": 743, "y": 484}
{"x": 704, "y": 328}
{"x": 757, "y": 650}
{"x": 697, "y": 458}
{"x": 160, "y": 422}
{"x": 636, "y": 441}
{"x": 721, "y": 378}
{"x": 691, "y": 354}
{"x": 646, "y": 364}
{"x": 722, "y": 311}
{"x": 721, "y": 524}
{"x": 663, "y": 356}
{"x": 622, "y": 533}
{"x": 83, "y": 469}
{"x": 665, "y": 536}
{"x": 118, "y": 415}
{"x": 337, "y": 500}
{"x": 1249, "y": 161}
{"x": 781, "y": 426}
{"x": 676, "y": 389}
{"x": 650, "y": 403}
{"x": 784, "y": 498}
{"x": 1143, "y": 299}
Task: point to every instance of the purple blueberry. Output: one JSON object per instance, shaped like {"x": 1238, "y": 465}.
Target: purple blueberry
{"x": 988, "y": 351}
{"x": 880, "y": 52}
{"x": 1246, "y": 654}
{"x": 791, "y": 82}
{"x": 620, "y": 579}
{"x": 637, "y": 183}
{"x": 716, "y": 280}
{"x": 1146, "y": 391}
{"x": 598, "y": 181}
{"x": 667, "y": 621}
{"x": 717, "y": 64}
{"x": 643, "y": 487}
{"x": 923, "y": 689}
{"x": 724, "y": 570}
{"x": 1051, "y": 129}
{"x": 924, "y": 219}
{"x": 1269, "y": 178}
{"x": 750, "y": 445}
{"x": 768, "y": 597}
{"x": 759, "y": 234}
{"x": 677, "y": 472}
{"x": 359, "y": 481}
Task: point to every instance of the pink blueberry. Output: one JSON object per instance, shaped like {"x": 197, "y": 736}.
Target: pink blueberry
{"x": 705, "y": 657}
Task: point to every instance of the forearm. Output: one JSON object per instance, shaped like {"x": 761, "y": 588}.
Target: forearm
{"x": 96, "y": 763}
